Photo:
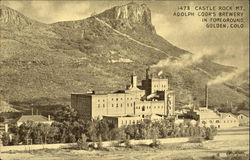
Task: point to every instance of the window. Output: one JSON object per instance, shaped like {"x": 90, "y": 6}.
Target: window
{"x": 103, "y": 100}
{"x": 121, "y": 98}
{"x": 112, "y": 99}
{"x": 98, "y": 105}
{"x": 103, "y": 105}
{"x": 143, "y": 108}
{"x": 217, "y": 121}
{"x": 116, "y": 105}
{"x": 127, "y": 104}
{"x": 98, "y": 100}
{"x": 112, "y": 105}
{"x": 131, "y": 104}
{"x": 117, "y": 99}
{"x": 121, "y": 104}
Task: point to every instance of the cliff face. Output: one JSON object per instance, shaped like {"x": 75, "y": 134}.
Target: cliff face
{"x": 129, "y": 16}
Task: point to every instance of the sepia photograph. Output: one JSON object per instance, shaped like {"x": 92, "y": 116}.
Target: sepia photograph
{"x": 124, "y": 80}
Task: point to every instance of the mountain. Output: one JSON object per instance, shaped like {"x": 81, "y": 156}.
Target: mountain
{"x": 44, "y": 63}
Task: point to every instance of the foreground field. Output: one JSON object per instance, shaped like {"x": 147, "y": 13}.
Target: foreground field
{"x": 233, "y": 139}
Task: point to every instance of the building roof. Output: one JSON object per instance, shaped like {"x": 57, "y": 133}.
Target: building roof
{"x": 119, "y": 116}
{"x": 224, "y": 115}
{"x": 35, "y": 118}
{"x": 205, "y": 113}
{"x": 244, "y": 112}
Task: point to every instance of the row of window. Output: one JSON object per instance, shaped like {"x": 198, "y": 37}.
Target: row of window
{"x": 115, "y": 105}
{"x": 120, "y": 99}
{"x": 117, "y": 99}
{"x": 160, "y": 86}
{"x": 230, "y": 121}
{"x": 129, "y": 121}
{"x": 217, "y": 121}
{"x": 148, "y": 107}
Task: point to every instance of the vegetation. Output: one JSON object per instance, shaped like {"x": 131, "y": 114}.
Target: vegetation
{"x": 230, "y": 155}
{"x": 68, "y": 128}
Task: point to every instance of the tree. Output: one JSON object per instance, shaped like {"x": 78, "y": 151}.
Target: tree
{"x": 102, "y": 129}
{"x": 15, "y": 139}
{"x": 91, "y": 131}
{"x": 2, "y": 119}
{"x": 45, "y": 129}
{"x": 6, "y": 139}
{"x": 66, "y": 114}
{"x": 82, "y": 142}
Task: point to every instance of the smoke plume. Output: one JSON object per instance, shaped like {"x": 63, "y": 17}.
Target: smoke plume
{"x": 185, "y": 60}
{"x": 224, "y": 77}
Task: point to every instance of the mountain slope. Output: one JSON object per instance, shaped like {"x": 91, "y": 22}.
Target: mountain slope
{"x": 100, "y": 52}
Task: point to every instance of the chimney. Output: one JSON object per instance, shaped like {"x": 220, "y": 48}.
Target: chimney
{"x": 134, "y": 80}
{"x": 147, "y": 73}
{"x": 206, "y": 95}
{"x": 6, "y": 127}
{"x": 48, "y": 117}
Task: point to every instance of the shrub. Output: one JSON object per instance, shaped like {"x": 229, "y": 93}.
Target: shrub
{"x": 99, "y": 143}
{"x": 155, "y": 144}
{"x": 128, "y": 143}
{"x": 209, "y": 135}
{"x": 15, "y": 139}
{"x": 196, "y": 139}
{"x": 6, "y": 139}
{"x": 82, "y": 142}
{"x": 236, "y": 155}
{"x": 115, "y": 144}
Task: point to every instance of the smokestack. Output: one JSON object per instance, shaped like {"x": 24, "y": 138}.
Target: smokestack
{"x": 48, "y": 117}
{"x": 147, "y": 73}
{"x": 206, "y": 95}
{"x": 134, "y": 81}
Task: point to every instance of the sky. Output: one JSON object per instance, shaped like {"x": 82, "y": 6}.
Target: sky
{"x": 225, "y": 46}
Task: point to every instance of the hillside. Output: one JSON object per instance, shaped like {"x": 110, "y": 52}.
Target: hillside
{"x": 44, "y": 63}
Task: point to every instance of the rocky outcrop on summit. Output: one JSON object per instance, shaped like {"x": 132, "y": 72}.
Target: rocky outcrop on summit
{"x": 13, "y": 18}
{"x": 129, "y": 17}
